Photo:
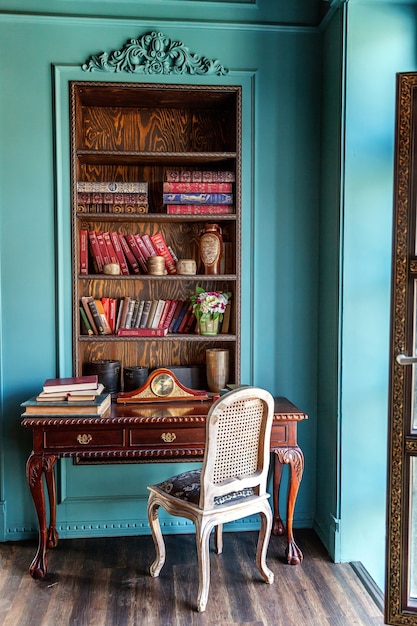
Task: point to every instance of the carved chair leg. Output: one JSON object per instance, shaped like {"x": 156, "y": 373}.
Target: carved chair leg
{"x": 153, "y": 509}
{"x": 203, "y": 553}
{"x": 218, "y": 538}
{"x": 263, "y": 543}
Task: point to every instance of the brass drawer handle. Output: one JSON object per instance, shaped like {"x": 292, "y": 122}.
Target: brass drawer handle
{"x": 168, "y": 437}
{"x": 84, "y": 439}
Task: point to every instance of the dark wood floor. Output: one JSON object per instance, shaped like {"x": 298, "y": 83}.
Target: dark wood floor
{"x": 105, "y": 582}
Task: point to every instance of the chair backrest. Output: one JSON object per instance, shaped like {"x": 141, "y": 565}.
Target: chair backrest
{"x": 237, "y": 452}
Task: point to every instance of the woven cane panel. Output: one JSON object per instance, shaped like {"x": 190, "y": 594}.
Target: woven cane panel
{"x": 237, "y": 440}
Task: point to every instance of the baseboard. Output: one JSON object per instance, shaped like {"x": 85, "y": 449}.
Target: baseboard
{"x": 369, "y": 584}
{"x": 2, "y": 521}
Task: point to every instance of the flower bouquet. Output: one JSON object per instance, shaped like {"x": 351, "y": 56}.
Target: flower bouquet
{"x": 209, "y": 307}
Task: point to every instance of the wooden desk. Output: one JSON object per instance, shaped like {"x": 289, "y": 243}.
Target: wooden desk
{"x": 147, "y": 433}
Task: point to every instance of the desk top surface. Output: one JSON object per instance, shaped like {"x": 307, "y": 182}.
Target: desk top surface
{"x": 146, "y": 412}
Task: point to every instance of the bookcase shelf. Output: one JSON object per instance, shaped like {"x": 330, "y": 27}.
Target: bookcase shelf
{"x": 137, "y": 132}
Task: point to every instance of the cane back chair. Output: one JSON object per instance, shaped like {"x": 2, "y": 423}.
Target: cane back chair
{"x": 230, "y": 485}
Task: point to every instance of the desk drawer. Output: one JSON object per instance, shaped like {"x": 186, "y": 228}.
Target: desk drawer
{"x": 83, "y": 437}
{"x": 284, "y": 433}
{"x": 168, "y": 436}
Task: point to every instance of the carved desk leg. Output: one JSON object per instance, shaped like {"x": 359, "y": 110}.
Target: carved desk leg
{"x": 38, "y": 464}
{"x": 294, "y": 457}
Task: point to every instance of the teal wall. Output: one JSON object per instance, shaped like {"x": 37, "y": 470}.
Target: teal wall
{"x": 275, "y": 64}
{"x": 318, "y": 131}
{"x": 381, "y": 41}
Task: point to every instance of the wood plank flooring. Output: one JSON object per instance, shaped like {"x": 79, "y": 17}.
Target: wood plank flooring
{"x": 105, "y": 582}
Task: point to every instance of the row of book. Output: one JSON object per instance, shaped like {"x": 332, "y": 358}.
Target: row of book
{"x": 210, "y": 195}
{"x": 78, "y": 395}
{"x": 202, "y": 192}
{"x": 130, "y": 317}
{"x": 112, "y": 316}
{"x": 131, "y": 252}
{"x": 112, "y": 197}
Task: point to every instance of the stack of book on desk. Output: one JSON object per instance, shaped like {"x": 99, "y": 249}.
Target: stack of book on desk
{"x": 79, "y": 395}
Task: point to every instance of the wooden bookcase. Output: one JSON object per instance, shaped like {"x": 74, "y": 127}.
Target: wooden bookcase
{"x": 136, "y": 132}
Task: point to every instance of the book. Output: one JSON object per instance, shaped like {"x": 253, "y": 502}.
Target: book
{"x": 187, "y": 315}
{"x": 180, "y": 316}
{"x": 170, "y": 314}
{"x": 145, "y": 314}
{"x": 177, "y": 310}
{"x": 152, "y": 309}
{"x": 121, "y": 259}
{"x": 200, "y": 209}
{"x": 85, "y": 322}
{"x": 144, "y": 250}
{"x": 200, "y": 176}
{"x": 110, "y": 248}
{"x": 157, "y": 315}
{"x": 197, "y": 198}
{"x": 82, "y": 392}
{"x": 124, "y": 304}
{"x": 84, "y": 302}
{"x": 190, "y": 322}
{"x": 130, "y": 309}
{"x": 83, "y": 243}
{"x": 148, "y": 243}
{"x": 225, "y": 325}
{"x": 97, "y": 406}
{"x": 141, "y": 304}
{"x": 112, "y": 197}
{"x": 103, "y": 248}
{"x": 167, "y": 304}
{"x": 113, "y": 187}
{"x": 96, "y": 315}
{"x": 95, "y": 251}
{"x": 179, "y": 187}
{"x": 104, "y": 321}
{"x": 133, "y": 245}
{"x": 161, "y": 249}
{"x": 131, "y": 259}
{"x": 142, "y": 332}
{"x": 71, "y": 383}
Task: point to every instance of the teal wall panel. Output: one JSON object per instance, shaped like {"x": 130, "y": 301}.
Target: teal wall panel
{"x": 280, "y": 246}
{"x": 381, "y": 41}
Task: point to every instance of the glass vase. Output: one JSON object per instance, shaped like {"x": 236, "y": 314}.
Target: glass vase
{"x": 210, "y": 327}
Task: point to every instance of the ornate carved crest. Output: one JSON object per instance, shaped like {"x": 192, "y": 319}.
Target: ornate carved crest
{"x": 153, "y": 53}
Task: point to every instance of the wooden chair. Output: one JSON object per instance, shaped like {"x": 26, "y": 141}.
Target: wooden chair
{"x": 230, "y": 485}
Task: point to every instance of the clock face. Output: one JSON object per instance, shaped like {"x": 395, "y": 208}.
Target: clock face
{"x": 162, "y": 385}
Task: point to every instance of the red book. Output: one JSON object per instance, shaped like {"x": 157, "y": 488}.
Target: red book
{"x": 132, "y": 243}
{"x": 129, "y": 255}
{"x": 161, "y": 248}
{"x": 200, "y": 176}
{"x": 103, "y": 248}
{"x": 95, "y": 250}
{"x": 121, "y": 259}
{"x": 200, "y": 209}
{"x": 197, "y": 187}
{"x": 83, "y": 240}
{"x": 72, "y": 383}
{"x": 109, "y": 305}
{"x": 142, "y": 332}
{"x": 144, "y": 250}
{"x": 170, "y": 314}
{"x": 148, "y": 243}
{"x": 164, "y": 313}
{"x": 110, "y": 248}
